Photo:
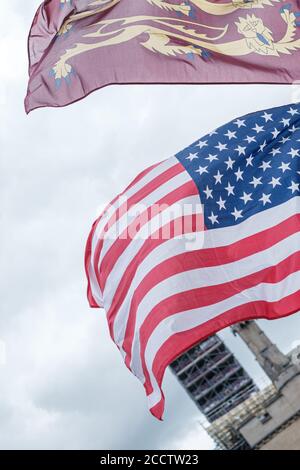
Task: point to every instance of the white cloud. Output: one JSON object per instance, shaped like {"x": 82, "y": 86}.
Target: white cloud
{"x": 193, "y": 437}
{"x": 12, "y": 26}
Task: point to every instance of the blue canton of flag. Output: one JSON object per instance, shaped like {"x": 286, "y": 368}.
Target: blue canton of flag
{"x": 246, "y": 166}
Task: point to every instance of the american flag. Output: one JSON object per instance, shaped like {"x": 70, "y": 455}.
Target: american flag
{"x": 205, "y": 239}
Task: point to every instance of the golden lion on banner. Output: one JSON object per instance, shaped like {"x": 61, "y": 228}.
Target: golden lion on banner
{"x": 171, "y": 36}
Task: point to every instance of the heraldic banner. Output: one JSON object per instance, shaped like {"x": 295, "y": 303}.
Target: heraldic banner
{"x": 78, "y": 46}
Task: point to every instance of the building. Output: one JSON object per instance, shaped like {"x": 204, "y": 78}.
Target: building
{"x": 267, "y": 419}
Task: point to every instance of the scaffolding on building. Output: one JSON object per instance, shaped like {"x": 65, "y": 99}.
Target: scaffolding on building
{"x": 213, "y": 378}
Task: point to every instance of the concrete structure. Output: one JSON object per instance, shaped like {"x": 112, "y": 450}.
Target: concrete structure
{"x": 287, "y": 438}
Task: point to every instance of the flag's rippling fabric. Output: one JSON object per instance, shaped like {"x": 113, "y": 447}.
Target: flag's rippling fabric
{"x": 170, "y": 271}
{"x": 77, "y": 46}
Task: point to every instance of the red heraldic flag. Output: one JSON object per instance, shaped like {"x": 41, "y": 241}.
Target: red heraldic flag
{"x": 78, "y": 46}
{"x": 205, "y": 239}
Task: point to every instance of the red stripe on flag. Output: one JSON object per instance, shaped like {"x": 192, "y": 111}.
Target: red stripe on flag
{"x": 88, "y": 265}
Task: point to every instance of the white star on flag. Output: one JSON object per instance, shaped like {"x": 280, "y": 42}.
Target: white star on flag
{"x": 230, "y": 189}
{"x": 265, "y": 199}
{"x": 265, "y": 165}
{"x": 211, "y": 157}
{"x": 246, "y": 197}
{"x": 293, "y": 111}
{"x": 267, "y": 117}
{"x": 240, "y": 123}
{"x": 256, "y": 181}
{"x": 202, "y": 143}
{"x": 258, "y": 128}
{"x": 221, "y": 146}
{"x": 230, "y": 135}
{"x": 275, "y": 133}
{"x": 249, "y": 161}
{"x": 208, "y": 193}
{"x": 229, "y": 163}
{"x": 262, "y": 146}
{"x": 218, "y": 177}
{"x": 213, "y": 218}
{"x": 192, "y": 156}
{"x": 221, "y": 203}
{"x": 284, "y": 167}
{"x": 294, "y": 152}
{"x": 275, "y": 152}
{"x": 201, "y": 170}
{"x": 239, "y": 174}
{"x": 294, "y": 187}
{"x": 285, "y": 122}
{"x": 250, "y": 139}
{"x": 237, "y": 214}
{"x": 275, "y": 182}
{"x": 240, "y": 150}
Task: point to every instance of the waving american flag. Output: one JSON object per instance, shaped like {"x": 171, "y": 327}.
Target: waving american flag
{"x": 203, "y": 240}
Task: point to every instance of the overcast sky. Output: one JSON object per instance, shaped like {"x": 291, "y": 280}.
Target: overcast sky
{"x": 63, "y": 383}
